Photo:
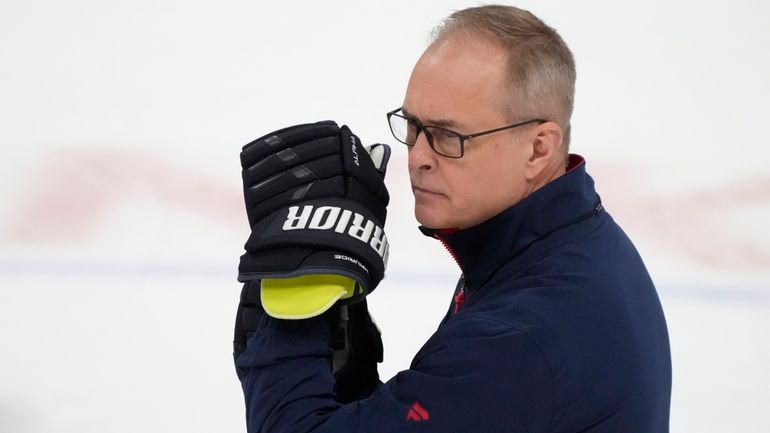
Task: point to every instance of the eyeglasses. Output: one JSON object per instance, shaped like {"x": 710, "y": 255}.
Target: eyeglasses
{"x": 442, "y": 140}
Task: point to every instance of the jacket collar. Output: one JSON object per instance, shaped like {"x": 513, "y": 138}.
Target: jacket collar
{"x": 484, "y": 248}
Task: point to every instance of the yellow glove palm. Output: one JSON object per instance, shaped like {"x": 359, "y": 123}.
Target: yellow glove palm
{"x": 304, "y": 296}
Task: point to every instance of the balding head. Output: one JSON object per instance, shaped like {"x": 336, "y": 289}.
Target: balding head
{"x": 540, "y": 73}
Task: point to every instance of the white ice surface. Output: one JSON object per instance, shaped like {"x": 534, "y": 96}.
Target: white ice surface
{"x": 151, "y": 353}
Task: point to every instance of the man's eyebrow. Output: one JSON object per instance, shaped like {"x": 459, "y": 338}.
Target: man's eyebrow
{"x": 447, "y": 123}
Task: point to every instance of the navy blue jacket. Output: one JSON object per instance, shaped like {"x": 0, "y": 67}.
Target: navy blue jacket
{"x": 555, "y": 327}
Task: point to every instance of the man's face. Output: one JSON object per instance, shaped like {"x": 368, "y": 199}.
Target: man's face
{"x": 459, "y": 83}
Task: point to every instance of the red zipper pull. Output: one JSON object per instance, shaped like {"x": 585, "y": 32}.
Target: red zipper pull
{"x": 459, "y": 299}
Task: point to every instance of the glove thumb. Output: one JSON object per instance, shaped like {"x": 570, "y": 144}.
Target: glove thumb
{"x": 380, "y": 155}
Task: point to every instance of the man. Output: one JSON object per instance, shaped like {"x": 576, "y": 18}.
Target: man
{"x": 555, "y": 324}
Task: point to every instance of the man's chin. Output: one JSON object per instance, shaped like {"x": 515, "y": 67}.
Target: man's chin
{"x": 431, "y": 220}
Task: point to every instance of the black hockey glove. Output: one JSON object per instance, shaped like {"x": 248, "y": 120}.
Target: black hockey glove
{"x": 355, "y": 341}
{"x": 316, "y": 204}
{"x": 355, "y": 367}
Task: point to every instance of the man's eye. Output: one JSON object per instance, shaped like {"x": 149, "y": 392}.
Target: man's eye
{"x": 449, "y": 134}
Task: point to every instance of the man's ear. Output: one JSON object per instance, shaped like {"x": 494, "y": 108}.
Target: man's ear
{"x": 546, "y": 148}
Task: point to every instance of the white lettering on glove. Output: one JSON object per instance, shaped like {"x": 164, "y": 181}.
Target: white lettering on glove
{"x": 328, "y": 217}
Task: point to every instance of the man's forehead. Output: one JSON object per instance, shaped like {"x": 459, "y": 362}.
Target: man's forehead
{"x": 464, "y": 50}
{"x": 453, "y": 77}
{"x": 435, "y": 121}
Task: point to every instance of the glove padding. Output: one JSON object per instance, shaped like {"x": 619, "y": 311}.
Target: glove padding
{"x": 316, "y": 203}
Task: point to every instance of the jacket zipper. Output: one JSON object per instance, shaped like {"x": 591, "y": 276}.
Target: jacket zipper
{"x": 449, "y": 250}
{"x": 460, "y": 297}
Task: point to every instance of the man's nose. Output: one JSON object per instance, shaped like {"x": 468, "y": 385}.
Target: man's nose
{"x": 421, "y": 156}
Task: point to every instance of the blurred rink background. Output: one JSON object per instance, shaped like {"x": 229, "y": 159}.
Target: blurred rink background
{"x": 122, "y": 221}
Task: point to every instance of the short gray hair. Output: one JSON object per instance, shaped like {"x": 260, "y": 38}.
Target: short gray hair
{"x": 541, "y": 68}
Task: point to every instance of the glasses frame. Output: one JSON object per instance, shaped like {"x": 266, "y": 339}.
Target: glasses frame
{"x": 462, "y": 137}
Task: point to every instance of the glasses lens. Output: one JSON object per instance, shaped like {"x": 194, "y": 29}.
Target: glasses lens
{"x": 399, "y": 128}
{"x": 445, "y": 141}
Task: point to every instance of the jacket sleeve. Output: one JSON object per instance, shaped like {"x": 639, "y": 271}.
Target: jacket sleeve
{"x": 473, "y": 375}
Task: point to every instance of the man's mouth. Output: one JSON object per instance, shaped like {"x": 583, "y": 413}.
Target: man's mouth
{"x": 424, "y": 191}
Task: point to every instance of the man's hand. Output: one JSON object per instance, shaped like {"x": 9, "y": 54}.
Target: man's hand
{"x": 316, "y": 204}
